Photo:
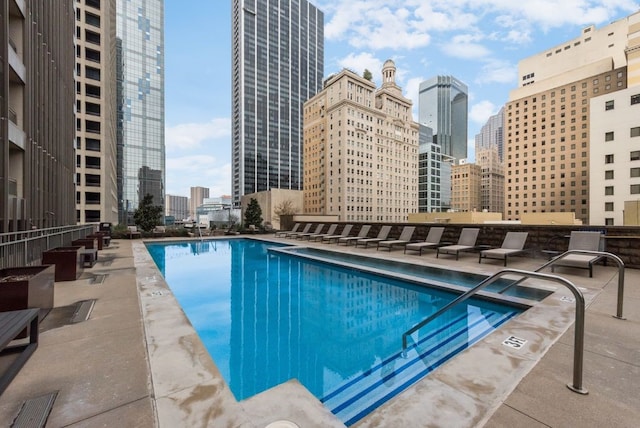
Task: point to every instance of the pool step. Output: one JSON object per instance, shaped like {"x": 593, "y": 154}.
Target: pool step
{"x": 358, "y": 396}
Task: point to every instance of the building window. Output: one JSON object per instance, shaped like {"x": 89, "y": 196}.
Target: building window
{"x": 634, "y": 172}
{"x": 608, "y": 190}
{"x": 608, "y": 158}
{"x": 635, "y": 132}
{"x": 608, "y": 175}
{"x": 608, "y": 105}
{"x": 608, "y": 222}
{"x": 608, "y": 206}
{"x": 635, "y": 155}
{"x": 608, "y": 136}
{"x": 635, "y": 99}
{"x": 635, "y": 189}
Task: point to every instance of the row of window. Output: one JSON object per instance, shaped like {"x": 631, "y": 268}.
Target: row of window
{"x": 633, "y": 132}
{"x": 633, "y": 173}
{"x": 634, "y": 99}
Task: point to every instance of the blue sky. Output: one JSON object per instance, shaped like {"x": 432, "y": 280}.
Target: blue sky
{"x": 478, "y": 41}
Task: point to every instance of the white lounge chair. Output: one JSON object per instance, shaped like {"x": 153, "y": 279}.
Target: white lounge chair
{"x": 382, "y": 235}
{"x": 284, "y": 232}
{"x": 345, "y": 232}
{"x": 403, "y": 239}
{"x": 466, "y": 242}
{"x": 295, "y": 234}
{"x": 320, "y": 236}
{"x": 309, "y": 234}
{"x": 433, "y": 241}
{"x": 588, "y": 241}
{"x": 513, "y": 244}
{"x": 364, "y": 231}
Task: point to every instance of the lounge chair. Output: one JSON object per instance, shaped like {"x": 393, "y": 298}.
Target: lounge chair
{"x": 132, "y": 232}
{"x": 588, "y": 241}
{"x": 308, "y": 234}
{"x": 513, "y": 244}
{"x": 159, "y": 231}
{"x": 345, "y": 232}
{"x": 403, "y": 239}
{"x": 364, "y": 231}
{"x": 295, "y": 234}
{"x": 466, "y": 242}
{"x": 320, "y": 236}
{"x": 433, "y": 241}
{"x": 283, "y": 233}
{"x": 382, "y": 236}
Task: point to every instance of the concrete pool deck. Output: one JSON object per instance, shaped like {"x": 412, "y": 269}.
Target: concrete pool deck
{"x": 137, "y": 362}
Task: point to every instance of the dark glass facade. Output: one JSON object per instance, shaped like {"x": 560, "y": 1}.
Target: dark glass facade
{"x": 140, "y": 75}
{"x": 277, "y": 64}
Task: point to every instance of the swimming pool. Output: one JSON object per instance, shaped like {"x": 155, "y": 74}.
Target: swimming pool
{"x": 267, "y": 317}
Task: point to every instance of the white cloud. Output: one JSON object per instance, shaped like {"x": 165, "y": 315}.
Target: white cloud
{"x": 465, "y": 46}
{"x": 481, "y": 111}
{"x": 498, "y": 71}
{"x": 192, "y": 135}
{"x": 198, "y": 170}
{"x": 361, "y": 61}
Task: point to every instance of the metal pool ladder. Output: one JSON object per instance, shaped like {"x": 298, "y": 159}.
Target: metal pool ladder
{"x": 578, "y": 353}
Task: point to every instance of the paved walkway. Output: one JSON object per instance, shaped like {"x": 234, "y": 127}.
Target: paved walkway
{"x": 119, "y": 367}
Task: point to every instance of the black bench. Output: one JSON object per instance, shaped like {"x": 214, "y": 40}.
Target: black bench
{"x": 12, "y": 323}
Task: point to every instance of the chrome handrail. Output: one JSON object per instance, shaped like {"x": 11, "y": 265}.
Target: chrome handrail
{"x": 578, "y": 355}
{"x": 611, "y": 256}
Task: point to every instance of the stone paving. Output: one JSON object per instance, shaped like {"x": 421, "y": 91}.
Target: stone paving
{"x": 136, "y": 362}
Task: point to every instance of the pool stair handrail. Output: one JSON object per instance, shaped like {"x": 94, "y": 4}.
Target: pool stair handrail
{"x": 578, "y": 353}
{"x": 605, "y": 254}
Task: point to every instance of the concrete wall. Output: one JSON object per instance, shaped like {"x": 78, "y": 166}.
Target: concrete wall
{"x": 566, "y": 218}
{"x": 469, "y": 217}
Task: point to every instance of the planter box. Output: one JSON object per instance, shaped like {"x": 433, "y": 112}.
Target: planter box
{"x": 100, "y": 237}
{"x": 68, "y": 260}
{"x": 26, "y": 287}
{"x": 86, "y": 243}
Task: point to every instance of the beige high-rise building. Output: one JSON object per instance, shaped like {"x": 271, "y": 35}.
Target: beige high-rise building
{"x": 547, "y": 120}
{"x": 615, "y": 144}
{"x": 492, "y": 185}
{"x": 198, "y": 194}
{"x": 176, "y": 207}
{"x": 466, "y": 180}
{"x": 96, "y": 114}
{"x": 361, "y": 150}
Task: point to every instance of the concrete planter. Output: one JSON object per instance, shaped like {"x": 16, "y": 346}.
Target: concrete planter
{"x": 26, "y": 287}
{"x": 68, "y": 261}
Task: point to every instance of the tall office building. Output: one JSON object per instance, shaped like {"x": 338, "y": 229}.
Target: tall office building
{"x": 361, "y": 150}
{"x": 96, "y": 174}
{"x": 277, "y": 64}
{"x": 198, "y": 195}
{"x": 140, "y": 74}
{"x": 489, "y": 156}
{"x": 442, "y": 106}
{"x": 548, "y": 135}
{"x": 37, "y": 129}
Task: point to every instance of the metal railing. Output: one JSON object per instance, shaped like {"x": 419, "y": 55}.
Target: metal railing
{"x": 611, "y": 256}
{"x": 25, "y": 248}
{"x": 578, "y": 354}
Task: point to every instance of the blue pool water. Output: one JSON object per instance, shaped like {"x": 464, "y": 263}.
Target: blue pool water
{"x": 267, "y": 317}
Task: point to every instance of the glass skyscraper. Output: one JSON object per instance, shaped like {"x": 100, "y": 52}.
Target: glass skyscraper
{"x": 277, "y": 64}
{"x": 140, "y": 74}
{"x": 442, "y": 105}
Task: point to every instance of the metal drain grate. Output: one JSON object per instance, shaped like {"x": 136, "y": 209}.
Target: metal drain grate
{"x": 98, "y": 279}
{"x": 83, "y": 311}
{"x": 35, "y": 411}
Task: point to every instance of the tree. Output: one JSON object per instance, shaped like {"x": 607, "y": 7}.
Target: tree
{"x": 367, "y": 75}
{"x": 147, "y": 216}
{"x": 253, "y": 214}
{"x": 284, "y": 208}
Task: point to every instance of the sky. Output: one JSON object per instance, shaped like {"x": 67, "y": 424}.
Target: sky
{"x": 478, "y": 41}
